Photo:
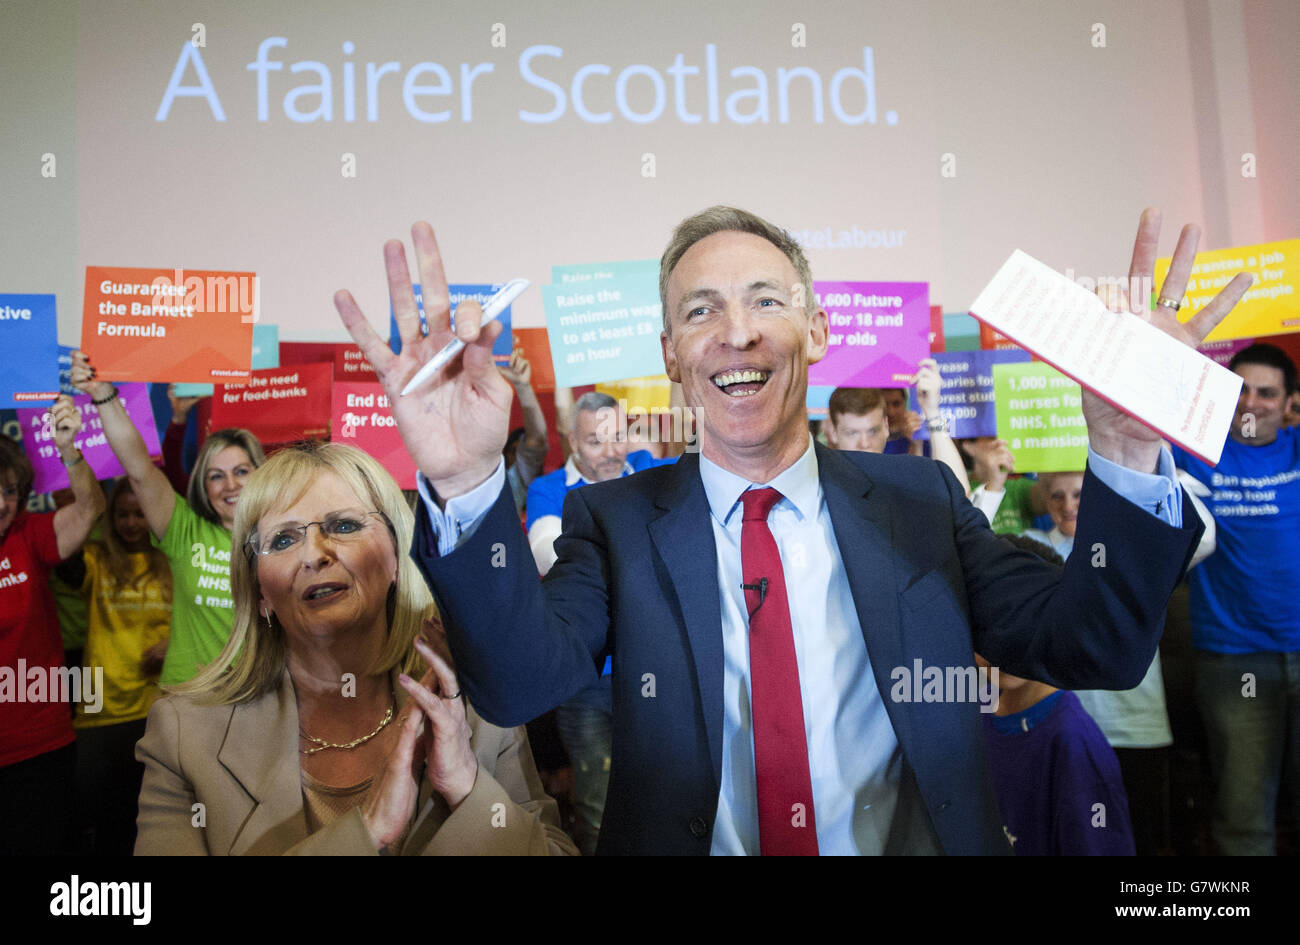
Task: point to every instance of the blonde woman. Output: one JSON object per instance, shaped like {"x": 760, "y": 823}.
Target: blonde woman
{"x": 316, "y": 739}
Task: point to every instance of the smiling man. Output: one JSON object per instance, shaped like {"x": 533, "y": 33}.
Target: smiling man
{"x": 1244, "y": 608}
{"x": 756, "y": 597}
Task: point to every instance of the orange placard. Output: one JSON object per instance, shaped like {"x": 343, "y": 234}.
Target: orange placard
{"x": 537, "y": 349}
{"x": 186, "y": 325}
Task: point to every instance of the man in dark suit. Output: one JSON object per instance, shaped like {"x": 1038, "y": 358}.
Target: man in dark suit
{"x": 760, "y": 599}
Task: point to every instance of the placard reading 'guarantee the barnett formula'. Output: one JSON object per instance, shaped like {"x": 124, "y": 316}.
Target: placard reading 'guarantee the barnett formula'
{"x": 1122, "y": 358}
{"x": 29, "y": 338}
{"x": 166, "y": 325}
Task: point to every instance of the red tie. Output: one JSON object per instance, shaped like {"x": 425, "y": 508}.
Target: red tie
{"x": 785, "y": 803}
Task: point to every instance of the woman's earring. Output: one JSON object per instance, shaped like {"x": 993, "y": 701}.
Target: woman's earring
{"x": 267, "y": 614}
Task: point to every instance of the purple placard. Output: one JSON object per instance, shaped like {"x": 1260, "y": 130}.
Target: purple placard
{"x": 879, "y": 332}
{"x": 966, "y": 399}
{"x": 38, "y": 438}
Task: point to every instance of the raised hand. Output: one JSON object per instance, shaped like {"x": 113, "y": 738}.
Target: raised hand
{"x": 65, "y": 418}
{"x": 391, "y": 802}
{"x": 82, "y": 377}
{"x": 455, "y": 425}
{"x": 928, "y": 384}
{"x": 1113, "y": 433}
{"x": 181, "y": 406}
{"x": 520, "y": 371}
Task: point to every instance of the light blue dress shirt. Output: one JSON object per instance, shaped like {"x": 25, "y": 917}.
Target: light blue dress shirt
{"x": 854, "y": 758}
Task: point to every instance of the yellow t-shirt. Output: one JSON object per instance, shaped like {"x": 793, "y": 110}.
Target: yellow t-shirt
{"x": 122, "y": 623}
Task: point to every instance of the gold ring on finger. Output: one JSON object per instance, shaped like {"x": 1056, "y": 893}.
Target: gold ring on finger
{"x": 1169, "y": 303}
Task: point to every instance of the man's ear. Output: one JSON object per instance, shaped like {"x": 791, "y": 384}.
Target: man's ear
{"x": 818, "y": 332}
{"x": 828, "y": 427}
{"x": 670, "y": 358}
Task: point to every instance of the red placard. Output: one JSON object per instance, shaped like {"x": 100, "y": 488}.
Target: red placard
{"x": 361, "y": 418}
{"x": 936, "y": 329}
{"x": 349, "y": 363}
{"x": 279, "y": 405}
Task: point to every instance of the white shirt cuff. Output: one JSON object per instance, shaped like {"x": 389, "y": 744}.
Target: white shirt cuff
{"x": 457, "y": 522}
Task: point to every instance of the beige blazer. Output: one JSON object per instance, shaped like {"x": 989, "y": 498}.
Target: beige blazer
{"x": 241, "y": 763}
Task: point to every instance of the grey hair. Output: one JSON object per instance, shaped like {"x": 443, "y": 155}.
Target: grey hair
{"x": 720, "y": 219}
{"x": 592, "y": 400}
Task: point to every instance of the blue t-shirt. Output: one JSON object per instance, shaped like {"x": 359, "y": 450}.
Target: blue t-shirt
{"x": 546, "y": 493}
{"x": 1244, "y": 596}
{"x": 1057, "y": 782}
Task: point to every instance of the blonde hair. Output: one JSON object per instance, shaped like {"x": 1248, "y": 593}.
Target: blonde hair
{"x": 721, "y": 219}
{"x": 256, "y": 654}
{"x": 197, "y": 493}
{"x": 119, "y": 559}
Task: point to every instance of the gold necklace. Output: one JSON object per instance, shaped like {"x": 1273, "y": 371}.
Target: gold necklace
{"x": 322, "y": 744}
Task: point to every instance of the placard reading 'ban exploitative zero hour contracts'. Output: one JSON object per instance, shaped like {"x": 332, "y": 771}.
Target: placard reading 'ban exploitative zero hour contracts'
{"x": 1122, "y": 358}
{"x": 166, "y": 325}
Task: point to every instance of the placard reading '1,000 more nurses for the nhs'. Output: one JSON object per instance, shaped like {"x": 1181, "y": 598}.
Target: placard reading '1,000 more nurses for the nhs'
{"x": 163, "y": 325}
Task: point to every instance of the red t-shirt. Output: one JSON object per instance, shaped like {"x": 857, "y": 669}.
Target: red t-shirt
{"x": 30, "y": 644}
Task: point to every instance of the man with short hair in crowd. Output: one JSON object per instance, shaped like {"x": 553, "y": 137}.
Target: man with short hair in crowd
{"x": 1245, "y": 610}
{"x": 855, "y": 420}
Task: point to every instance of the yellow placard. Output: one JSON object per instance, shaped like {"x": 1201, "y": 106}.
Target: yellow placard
{"x": 1270, "y": 307}
{"x": 650, "y": 394}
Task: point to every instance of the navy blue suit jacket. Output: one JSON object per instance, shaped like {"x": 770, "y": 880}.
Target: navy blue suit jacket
{"x": 637, "y": 578}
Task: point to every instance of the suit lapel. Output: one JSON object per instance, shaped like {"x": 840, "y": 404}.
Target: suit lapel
{"x": 864, "y": 531}
{"x": 683, "y": 536}
{"x": 262, "y": 734}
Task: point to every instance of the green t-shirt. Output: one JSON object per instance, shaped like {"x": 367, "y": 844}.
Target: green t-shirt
{"x": 203, "y": 612}
{"x": 1016, "y": 513}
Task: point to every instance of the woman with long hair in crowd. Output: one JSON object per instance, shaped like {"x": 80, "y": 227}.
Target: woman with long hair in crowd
{"x": 311, "y": 733}
{"x": 192, "y": 530}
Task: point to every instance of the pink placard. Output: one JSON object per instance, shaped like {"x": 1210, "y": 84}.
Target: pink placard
{"x": 38, "y": 437}
{"x": 879, "y": 332}
{"x": 361, "y": 418}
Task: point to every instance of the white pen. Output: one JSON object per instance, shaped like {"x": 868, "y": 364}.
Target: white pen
{"x": 491, "y": 311}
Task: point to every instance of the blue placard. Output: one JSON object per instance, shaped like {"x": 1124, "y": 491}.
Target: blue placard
{"x": 29, "y": 337}
{"x": 457, "y": 293}
{"x": 966, "y": 400}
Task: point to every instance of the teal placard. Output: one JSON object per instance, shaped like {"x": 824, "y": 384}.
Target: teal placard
{"x": 1040, "y": 415}
{"x": 603, "y": 321}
